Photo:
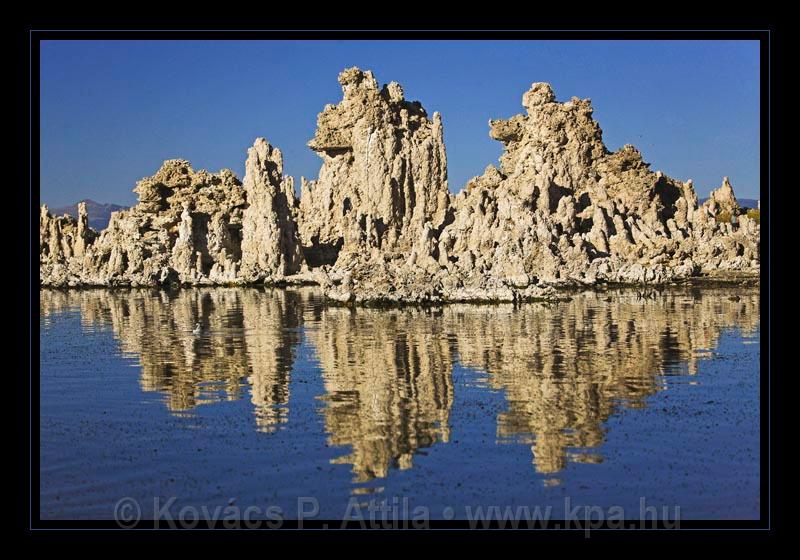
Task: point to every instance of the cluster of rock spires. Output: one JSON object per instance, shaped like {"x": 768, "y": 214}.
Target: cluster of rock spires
{"x": 380, "y": 224}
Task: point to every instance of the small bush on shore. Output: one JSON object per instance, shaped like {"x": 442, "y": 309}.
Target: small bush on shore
{"x": 754, "y": 214}
{"x": 723, "y": 217}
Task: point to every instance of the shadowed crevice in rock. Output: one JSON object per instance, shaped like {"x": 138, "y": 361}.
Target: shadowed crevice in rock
{"x": 322, "y": 254}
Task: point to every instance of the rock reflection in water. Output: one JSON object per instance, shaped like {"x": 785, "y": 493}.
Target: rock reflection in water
{"x": 388, "y": 382}
{"x": 564, "y": 368}
{"x": 387, "y": 374}
{"x": 247, "y": 337}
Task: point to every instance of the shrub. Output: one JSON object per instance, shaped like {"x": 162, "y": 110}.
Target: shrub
{"x": 754, "y": 214}
{"x": 723, "y": 217}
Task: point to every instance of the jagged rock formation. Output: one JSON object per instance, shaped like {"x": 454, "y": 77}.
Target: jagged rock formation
{"x": 188, "y": 227}
{"x": 270, "y": 247}
{"x": 63, "y": 239}
{"x": 383, "y": 181}
{"x": 379, "y": 223}
{"x": 723, "y": 200}
{"x": 562, "y": 210}
{"x": 185, "y": 228}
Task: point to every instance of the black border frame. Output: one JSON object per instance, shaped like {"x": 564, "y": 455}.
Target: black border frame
{"x": 766, "y": 35}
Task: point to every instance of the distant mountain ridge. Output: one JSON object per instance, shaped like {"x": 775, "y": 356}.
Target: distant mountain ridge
{"x": 99, "y": 212}
{"x": 744, "y": 202}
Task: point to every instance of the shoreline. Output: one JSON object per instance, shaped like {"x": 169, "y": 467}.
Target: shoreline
{"x": 723, "y": 279}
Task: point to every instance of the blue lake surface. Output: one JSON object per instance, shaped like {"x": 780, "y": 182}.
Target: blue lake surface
{"x": 628, "y": 399}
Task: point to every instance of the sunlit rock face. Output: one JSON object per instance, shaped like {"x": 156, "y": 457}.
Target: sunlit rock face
{"x": 383, "y": 178}
{"x": 270, "y": 246}
{"x": 379, "y": 224}
{"x": 387, "y": 375}
{"x": 64, "y": 239}
{"x": 723, "y": 199}
{"x": 185, "y": 228}
{"x": 191, "y": 228}
{"x": 563, "y": 210}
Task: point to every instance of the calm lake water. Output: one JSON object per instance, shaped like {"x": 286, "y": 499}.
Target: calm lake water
{"x": 605, "y": 400}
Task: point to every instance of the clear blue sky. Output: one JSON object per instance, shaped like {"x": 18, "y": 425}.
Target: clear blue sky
{"x": 112, "y": 111}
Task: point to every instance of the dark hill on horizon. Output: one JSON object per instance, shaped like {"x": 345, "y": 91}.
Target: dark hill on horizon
{"x": 99, "y": 212}
{"x": 743, "y": 202}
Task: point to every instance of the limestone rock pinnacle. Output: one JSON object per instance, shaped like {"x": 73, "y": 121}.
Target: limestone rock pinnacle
{"x": 270, "y": 247}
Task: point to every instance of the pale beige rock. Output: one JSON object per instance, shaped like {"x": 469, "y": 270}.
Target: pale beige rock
{"x": 183, "y": 252}
{"x": 563, "y": 210}
{"x": 383, "y": 177}
{"x": 270, "y": 247}
{"x": 166, "y": 237}
{"x": 723, "y": 199}
{"x": 379, "y": 223}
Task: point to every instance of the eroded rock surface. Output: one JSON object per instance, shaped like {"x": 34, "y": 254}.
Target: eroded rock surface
{"x": 270, "y": 246}
{"x": 561, "y": 210}
{"x": 189, "y": 227}
{"x": 63, "y": 236}
{"x": 383, "y": 182}
{"x": 379, "y": 223}
{"x": 722, "y": 200}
